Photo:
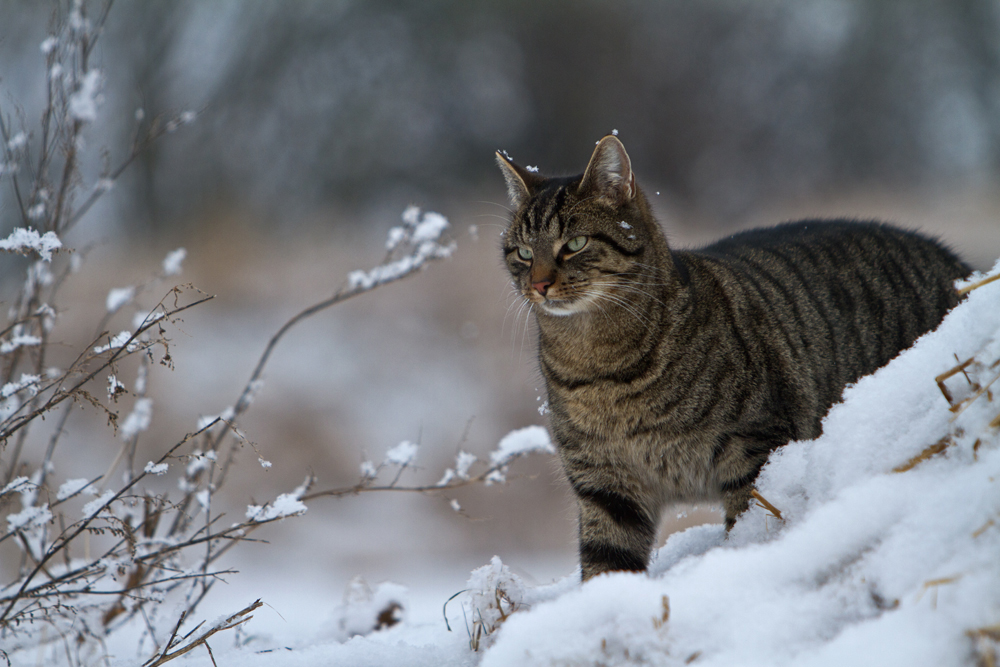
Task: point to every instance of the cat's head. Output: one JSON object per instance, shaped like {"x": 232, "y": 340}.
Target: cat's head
{"x": 582, "y": 243}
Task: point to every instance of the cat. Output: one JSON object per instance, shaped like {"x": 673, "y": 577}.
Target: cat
{"x": 672, "y": 374}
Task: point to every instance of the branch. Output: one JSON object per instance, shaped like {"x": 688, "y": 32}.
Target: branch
{"x": 233, "y": 621}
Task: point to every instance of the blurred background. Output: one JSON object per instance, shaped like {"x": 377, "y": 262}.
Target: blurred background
{"x": 318, "y": 122}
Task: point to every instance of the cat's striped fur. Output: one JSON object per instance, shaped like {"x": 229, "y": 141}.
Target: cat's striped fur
{"x": 671, "y": 375}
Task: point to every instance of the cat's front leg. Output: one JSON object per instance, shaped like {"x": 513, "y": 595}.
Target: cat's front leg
{"x": 616, "y": 532}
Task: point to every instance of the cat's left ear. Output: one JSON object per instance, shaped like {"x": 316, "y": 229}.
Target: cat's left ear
{"x": 609, "y": 173}
{"x": 521, "y": 183}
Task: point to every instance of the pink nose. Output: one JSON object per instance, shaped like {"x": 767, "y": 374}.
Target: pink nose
{"x": 542, "y": 286}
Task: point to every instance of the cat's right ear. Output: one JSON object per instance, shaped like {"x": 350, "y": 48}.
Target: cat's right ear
{"x": 609, "y": 173}
{"x": 521, "y": 183}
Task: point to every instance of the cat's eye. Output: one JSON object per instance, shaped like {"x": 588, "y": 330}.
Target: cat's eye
{"x": 524, "y": 253}
{"x": 576, "y": 244}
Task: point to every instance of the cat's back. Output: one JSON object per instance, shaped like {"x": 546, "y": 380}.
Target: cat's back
{"x": 836, "y": 299}
{"x": 839, "y": 257}
{"x": 838, "y": 239}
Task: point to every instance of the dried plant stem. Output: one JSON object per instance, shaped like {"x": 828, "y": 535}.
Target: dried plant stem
{"x": 233, "y": 621}
{"x": 965, "y": 290}
{"x": 766, "y": 505}
{"x": 932, "y": 450}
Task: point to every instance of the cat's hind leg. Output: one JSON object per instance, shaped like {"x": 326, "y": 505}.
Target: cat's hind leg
{"x": 737, "y": 461}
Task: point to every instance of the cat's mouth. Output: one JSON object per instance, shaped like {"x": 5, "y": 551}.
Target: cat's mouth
{"x": 552, "y": 304}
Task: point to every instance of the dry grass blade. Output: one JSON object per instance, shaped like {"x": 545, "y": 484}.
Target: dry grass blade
{"x": 982, "y": 529}
{"x": 985, "y": 642}
{"x": 949, "y": 373}
{"x": 767, "y": 505}
{"x": 929, "y": 452}
{"x": 659, "y": 622}
{"x": 965, "y": 290}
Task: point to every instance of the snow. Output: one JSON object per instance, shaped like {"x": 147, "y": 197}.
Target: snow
{"x": 138, "y": 420}
{"x": 17, "y": 485}
{"x": 95, "y": 505}
{"x": 29, "y": 517}
{"x": 462, "y": 463}
{"x": 19, "y": 340}
{"x": 49, "y": 44}
{"x": 886, "y": 552}
{"x": 115, "y": 387}
{"x": 402, "y": 454}
{"x": 365, "y": 610}
{"x": 173, "y": 261}
{"x": 120, "y": 340}
{"x": 27, "y": 381}
{"x": 156, "y": 468}
{"x": 23, "y": 240}
{"x": 517, "y": 443}
{"x": 19, "y": 140}
{"x": 225, "y": 415}
{"x": 286, "y": 504}
{"x": 83, "y": 103}
{"x": 118, "y": 297}
{"x": 368, "y": 470}
{"x": 71, "y": 487}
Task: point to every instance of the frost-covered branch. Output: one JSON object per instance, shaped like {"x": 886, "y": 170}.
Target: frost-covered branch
{"x": 409, "y": 247}
{"x": 516, "y": 444}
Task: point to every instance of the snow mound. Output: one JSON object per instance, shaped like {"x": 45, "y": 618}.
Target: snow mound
{"x": 886, "y": 552}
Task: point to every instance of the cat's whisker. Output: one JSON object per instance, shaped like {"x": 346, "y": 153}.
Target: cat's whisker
{"x": 627, "y": 287}
{"x": 623, "y": 304}
{"x": 493, "y": 203}
{"x": 524, "y": 331}
{"x": 519, "y": 301}
{"x": 491, "y": 224}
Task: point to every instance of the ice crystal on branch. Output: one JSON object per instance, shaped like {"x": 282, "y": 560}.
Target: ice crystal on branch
{"x": 517, "y": 443}
{"x": 411, "y": 246}
{"x": 23, "y": 240}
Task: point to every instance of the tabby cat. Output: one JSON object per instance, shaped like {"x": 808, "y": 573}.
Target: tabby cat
{"x": 671, "y": 375}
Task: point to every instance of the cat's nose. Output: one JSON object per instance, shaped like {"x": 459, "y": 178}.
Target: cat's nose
{"x": 542, "y": 286}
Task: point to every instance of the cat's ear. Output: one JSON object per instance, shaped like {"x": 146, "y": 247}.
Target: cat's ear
{"x": 521, "y": 183}
{"x": 609, "y": 173}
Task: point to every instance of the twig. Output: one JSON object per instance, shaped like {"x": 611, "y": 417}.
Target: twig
{"x": 766, "y": 505}
{"x": 233, "y": 621}
{"x": 968, "y": 288}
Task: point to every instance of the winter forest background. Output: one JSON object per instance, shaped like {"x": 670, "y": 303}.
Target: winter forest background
{"x": 304, "y": 130}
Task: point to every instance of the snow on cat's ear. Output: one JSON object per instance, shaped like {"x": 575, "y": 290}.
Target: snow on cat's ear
{"x": 521, "y": 183}
{"x": 609, "y": 173}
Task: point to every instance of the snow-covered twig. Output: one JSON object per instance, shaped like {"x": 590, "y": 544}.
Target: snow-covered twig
{"x": 227, "y": 623}
{"x": 410, "y": 247}
{"x": 515, "y": 445}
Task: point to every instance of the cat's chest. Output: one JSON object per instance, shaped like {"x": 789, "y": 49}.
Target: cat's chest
{"x": 601, "y": 410}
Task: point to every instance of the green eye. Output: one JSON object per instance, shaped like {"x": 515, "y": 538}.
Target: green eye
{"x": 524, "y": 253}
{"x": 576, "y": 244}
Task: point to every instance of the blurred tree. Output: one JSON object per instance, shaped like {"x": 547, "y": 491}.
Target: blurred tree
{"x": 724, "y": 104}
